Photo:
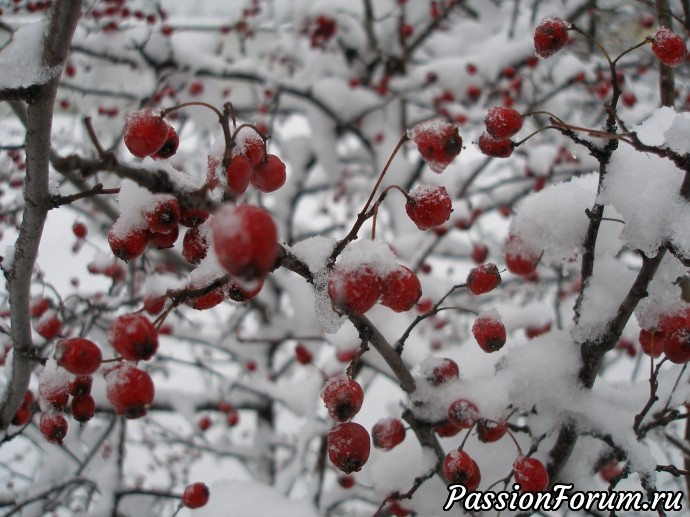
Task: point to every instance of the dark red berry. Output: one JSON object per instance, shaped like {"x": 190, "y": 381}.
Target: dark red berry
{"x": 495, "y": 147}
{"x": 489, "y": 331}
{"x": 195, "y": 495}
{"x": 269, "y": 175}
{"x": 491, "y": 430}
{"x": 302, "y": 354}
{"x": 346, "y": 481}
{"x": 239, "y": 173}
{"x": 163, "y": 215}
{"x": 401, "y": 289}
{"x": 129, "y": 390}
{"x": 193, "y": 217}
{"x": 535, "y": 331}
{"x": 38, "y": 306}
{"x": 80, "y": 385}
{"x": 463, "y": 413}
{"x": 483, "y": 279}
{"x": 440, "y": 370}
{"x": 163, "y": 241}
{"x": 669, "y": 47}
{"x": 428, "y": 206}
{"x": 145, "y": 133}
{"x": 479, "y": 253}
{"x": 652, "y": 342}
{"x": 348, "y": 446}
{"x": 387, "y": 433}
{"x": 502, "y": 122}
{"x": 169, "y": 148}
{"x": 250, "y": 144}
{"x": 438, "y": 142}
{"x": 550, "y": 36}
{"x": 245, "y": 240}
{"x": 354, "y": 291}
{"x": 531, "y": 474}
{"x": 78, "y": 355}
{"x": 611, "y": 471}
{"x": 79, "y": 230}
{"x": 343, "y": 397}
{"x": 49, "y": 325}
{"x": 83, "y": 408}
{"x": 134, "y": 337}
{"x": 22, "y": 416}
{"x": 521, "y": 259}
{"x": 195, "y": 244}
{"x": 127, "y": 243}
{"x": 458, "y": 467}
{"x": 675, "y": 329}
{"x": 53, "y": 427}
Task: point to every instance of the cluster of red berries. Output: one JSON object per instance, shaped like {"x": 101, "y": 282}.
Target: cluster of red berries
{"x": 321, "y": 31}
{"x": 232, "y": 416}
{"x": 438, "y": 143}
{"x": 671, "y": 336}
{"x": 356, "y": 289}
{"x": 501, "y": 124}
{"x": 348, "y": 443}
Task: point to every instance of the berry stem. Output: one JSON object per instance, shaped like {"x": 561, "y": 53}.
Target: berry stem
{"x": 512, "y": 437}
{"x": 398, "y": 146}
{"x": 467, "y": 435}
{"x": 167, "y": 111}
{"x": 375, "y": 209}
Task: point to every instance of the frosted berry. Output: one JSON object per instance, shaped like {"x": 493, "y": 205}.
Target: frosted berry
{"x": 195, "y": 244}
{"x": 502, "y": 122}
{"x": 441, "y": 371}
{"x": 473, "y": 482}
{"x": 489, "y": 331}
{"x": 675, "y": 329}
{"x": 483, "y": 279}
{"x": 348, "y": 446}
{"x": 239, "y": 173}
{"x": 491, "y": 430}
{"x": 387, "y": 433}
{"x": 458, "y": 467}
{"x": 195, "y": 495}
{"x": 53, "y": 427}
{"x": 53, "y": 395}
{"x": 269, "y": 175}
{"x": 129, "y": 390}
{"x": 134, "y": 337}
{"x": 550, "y": 36}
{"x": 169, "y": 147}
{"x": 354, "y": 291}
{"x": 343, "y": 397}
{"x": 80, "y": 385}
{"x": 438, "y": 142}
{"x": 463, "y": 413}
{"x": 49, "y": 325}
{"x": 428, "y": 206}
{"x": 163, "y": 241}
{"x": 163, "y": 216}
{"x": 83, "y": 408}
{"x": 193, "y": 217}
{"x": 245, "y": 240}
{"x": 521, "y": 259}
{"x": 531, "y": 474}
{"x": 400, "y": 289}
{"x": 251, "y": 145}
{"x": 495, "y": 147}
{"x": 145, "y": 133}
{"x": 127, "y": 243}
{"x": 669, "y": 47}
{"x": 78, "y": 355}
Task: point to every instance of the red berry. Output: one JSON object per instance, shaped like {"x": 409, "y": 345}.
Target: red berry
{"x": 440, "y": 370}
{"x": 611, "y": 471}
{"x": 502, "y": 122}
{"x": 438, "y": 142}
{"x": 346, "y": 481}
{"x": 163, "y": 241}
{"x": 195, "y": 244}
{"x": 53, "y": 427}
{"x": 447, "y": 429}
{"x": 400, "y": 289}
{"x": 204, "y": 423}
{"x": 495, "y": 147}
{"x": 669, "y": 47}
{"x": 80, "y": 385}
{"x": 242, "y": 293}
{"x": 127, "y": 243}
{"x": 428, "y": 206}
{"x": 458, "y": 467}
{"x": 387, "y": 433}
{"x": 49, "y": 325}
{"x": 675, "y": 329}
{"x": 652, "y": 342}
{"x": 489, "y": 331}
{"x": 79, "y": 230}
{"x": 269, "y": 175}
{"x": 78, "y": 355}
{"x": 162, "y": 216}
{"x": 629, "y": 99}
{"x": 239, "y": 173}
{"x": 193, "y": 217}
{"x": 250, "y": 144}
{"x": 134, "y": 337}
{"x": 83, "y": 408}
{"x": 483, "y": 279}
{"x": 129, "y": 390}
{"x": 22, "y": 416}
{"x": 195, "y": 495}
{"x": 53, "y": 393}
{"x": 550, "y": 36}
{"x": 491, "y": 430}
{"x": 531, "y": 474}
{"x": 233, "y": 418}
{"x": 354, "y": 291}
{"x": 208, "y": 300}
{"x": 479, "y": 253}
{"x": 532, "y": 332}
{"x": 348, "y": 446}
{"x": 154, "y": 304}
{"x": 473, "y": 482}
{"x": 463, "y": 413}
{"x": 145, "y": 133}
{"x": 343, "y": 397}
{"x": 302, "y": 354}
{"x": 521, "y": 259}
{"x": 245, "y": 240}
{"x": 38, "y": 306}
{"x": 169, "y": 148}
